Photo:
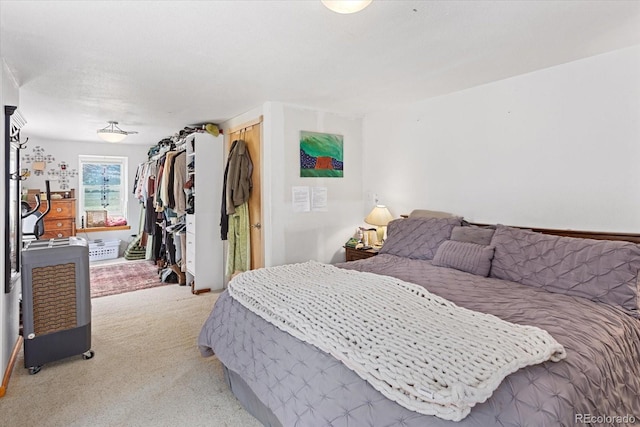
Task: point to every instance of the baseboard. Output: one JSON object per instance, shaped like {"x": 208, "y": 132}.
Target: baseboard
{"x": 10, "y": 365}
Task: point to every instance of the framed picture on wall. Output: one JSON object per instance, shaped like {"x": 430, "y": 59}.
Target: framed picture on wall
{"x": 321, "y": 155}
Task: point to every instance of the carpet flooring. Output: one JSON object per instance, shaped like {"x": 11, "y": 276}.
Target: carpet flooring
{"x": 147, "y": 371}
{"x": 125, "y": 276}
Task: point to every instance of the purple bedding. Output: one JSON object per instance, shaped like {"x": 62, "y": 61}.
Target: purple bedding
{"x": 303, "y": 386}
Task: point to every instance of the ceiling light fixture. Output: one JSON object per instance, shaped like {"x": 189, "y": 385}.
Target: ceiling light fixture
{"x": 346, "y": 6}
{"x": 112, "y": 133}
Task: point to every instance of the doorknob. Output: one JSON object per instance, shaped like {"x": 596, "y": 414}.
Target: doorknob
{"x": 257, "y": 225}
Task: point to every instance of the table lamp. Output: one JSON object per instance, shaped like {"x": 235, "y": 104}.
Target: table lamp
{"x": 380, "y": 217}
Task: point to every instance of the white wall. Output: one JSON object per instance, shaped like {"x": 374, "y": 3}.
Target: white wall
{"x": 296, "y": 237}
{"x": 9, "y": 303}
{"x": 555, "y": 148}
{"x": 68, "y": 152}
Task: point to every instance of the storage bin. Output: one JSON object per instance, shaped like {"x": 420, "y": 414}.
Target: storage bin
{"x": 103, "y": 249}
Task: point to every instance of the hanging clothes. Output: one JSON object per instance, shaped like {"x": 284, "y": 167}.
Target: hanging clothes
{"x": 177, "y": 196}
{"x": 167, "y": 178}
{"x": 239, "y": 248}
{"x": 237, "y": 182}
{"x": 159, "y": 187}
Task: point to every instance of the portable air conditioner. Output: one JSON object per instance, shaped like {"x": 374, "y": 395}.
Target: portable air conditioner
{"x": 56, "y": 301}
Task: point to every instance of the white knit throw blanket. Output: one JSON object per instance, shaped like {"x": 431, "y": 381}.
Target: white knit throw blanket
{"x": 418, "y": 349}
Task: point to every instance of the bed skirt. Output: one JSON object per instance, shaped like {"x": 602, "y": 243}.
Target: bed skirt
{"x": 249, "y": 400}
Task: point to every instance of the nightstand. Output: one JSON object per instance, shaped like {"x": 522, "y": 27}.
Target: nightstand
{"x": 352, "y": 254}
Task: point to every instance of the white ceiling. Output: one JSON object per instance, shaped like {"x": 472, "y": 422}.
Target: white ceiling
{"x": 158, "y": 66}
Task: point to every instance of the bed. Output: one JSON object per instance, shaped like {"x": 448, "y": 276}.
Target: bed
{"x": 583, "y": 292}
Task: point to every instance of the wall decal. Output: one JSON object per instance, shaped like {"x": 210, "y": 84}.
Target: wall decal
{"x": 38, "y": 160}
{"x": 63, "y": 174}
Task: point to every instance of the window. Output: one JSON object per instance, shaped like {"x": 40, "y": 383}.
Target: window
{"x": 103, "y": 184}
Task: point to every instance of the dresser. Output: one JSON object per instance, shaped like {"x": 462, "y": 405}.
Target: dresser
{"x": 61, "y": 219}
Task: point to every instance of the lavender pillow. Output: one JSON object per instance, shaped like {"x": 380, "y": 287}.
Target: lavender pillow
{"x": 472, "y": 234}
{"x": 600, "y": 270}
{"x": 417, "y": 238}
{"x": 465, "y": 256}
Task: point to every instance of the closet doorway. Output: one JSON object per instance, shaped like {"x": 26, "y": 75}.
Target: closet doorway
{"x": 251, "y": 134}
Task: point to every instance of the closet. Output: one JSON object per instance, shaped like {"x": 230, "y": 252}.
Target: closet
{"x": 181, "y": 188}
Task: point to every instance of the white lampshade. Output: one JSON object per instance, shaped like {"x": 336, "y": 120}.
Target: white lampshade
{"x": 346, "y": 6}
{"x": 111, "y": 136}
{"x": 379, "y": 216}
{"x": 112, "y": 133}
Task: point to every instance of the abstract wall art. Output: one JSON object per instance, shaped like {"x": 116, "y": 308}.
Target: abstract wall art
{"x": 321, "y": 155}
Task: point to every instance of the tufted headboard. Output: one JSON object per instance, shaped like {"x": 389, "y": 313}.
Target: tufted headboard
{"x": 598, "y": 235}
{"x": 582, "y": 234}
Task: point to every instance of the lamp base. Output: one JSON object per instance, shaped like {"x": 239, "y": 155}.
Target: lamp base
{"x": 381, "y": 232}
